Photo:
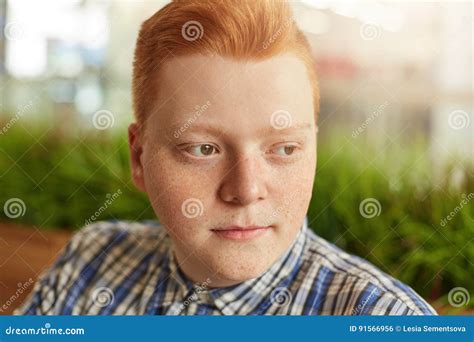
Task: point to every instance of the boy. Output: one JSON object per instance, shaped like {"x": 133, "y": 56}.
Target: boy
{"x": 224, "y": 144}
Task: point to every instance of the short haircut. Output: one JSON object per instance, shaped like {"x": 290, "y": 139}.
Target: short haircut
{"x": 240, "y": 29}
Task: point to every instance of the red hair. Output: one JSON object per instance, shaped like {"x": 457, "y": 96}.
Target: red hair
{"x": 240, "y": 29}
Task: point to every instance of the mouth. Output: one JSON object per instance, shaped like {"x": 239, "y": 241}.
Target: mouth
{"x": 241, "y": 233}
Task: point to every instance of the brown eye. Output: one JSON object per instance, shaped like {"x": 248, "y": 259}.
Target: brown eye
{"x": 202, "y": 150}
{"x": 207, "y": 149}
{"x": 286, "y": 150}
{"x": 289, "y": 149}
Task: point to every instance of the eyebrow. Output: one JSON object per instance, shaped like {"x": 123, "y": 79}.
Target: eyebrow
{"x": 216, "y": 130}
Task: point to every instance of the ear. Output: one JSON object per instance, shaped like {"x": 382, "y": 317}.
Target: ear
{"x": 136, "y": 149}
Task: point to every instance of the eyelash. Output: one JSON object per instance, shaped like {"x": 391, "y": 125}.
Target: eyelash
{"x": 187, "y": 147}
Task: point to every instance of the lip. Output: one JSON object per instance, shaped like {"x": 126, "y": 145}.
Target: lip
{"x": 241, "y": 233}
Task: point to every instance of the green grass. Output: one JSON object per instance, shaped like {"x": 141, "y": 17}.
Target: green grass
{"x": 64, "y": 178}
{"x": 407, "y": 239}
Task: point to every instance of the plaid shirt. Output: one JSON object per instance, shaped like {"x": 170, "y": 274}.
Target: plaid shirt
{"x": 128, "y": 268}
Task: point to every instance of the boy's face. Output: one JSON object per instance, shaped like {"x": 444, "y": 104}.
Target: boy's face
{"x": 229, "y": 143}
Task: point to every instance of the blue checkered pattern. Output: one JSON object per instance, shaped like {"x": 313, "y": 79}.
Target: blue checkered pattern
{"x": 128, "y": 268}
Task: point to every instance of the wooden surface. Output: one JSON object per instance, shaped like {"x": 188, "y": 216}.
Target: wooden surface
{"x": 24, "y": 253}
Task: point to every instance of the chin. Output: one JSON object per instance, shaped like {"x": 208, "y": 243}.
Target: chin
{"x": 241, "y": 274}
{"x": 237, "y": 269}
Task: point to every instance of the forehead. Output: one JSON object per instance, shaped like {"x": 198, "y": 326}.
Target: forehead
{"x": 228, "y": 89}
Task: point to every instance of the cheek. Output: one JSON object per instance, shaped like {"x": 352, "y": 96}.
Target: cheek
{"x": 294, "y": 202}
{"x": 178, "y": 195}
{"x": 292, "y": 191}
{"x": 295, "y": 181}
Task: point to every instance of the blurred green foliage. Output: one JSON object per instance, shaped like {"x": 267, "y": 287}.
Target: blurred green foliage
{"x": 63, "y": 178}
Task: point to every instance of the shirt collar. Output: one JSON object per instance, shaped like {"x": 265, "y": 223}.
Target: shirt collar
{"x": 244, "y": 298}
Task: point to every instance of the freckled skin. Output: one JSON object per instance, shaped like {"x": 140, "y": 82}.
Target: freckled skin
{"x": 246, "y": 179}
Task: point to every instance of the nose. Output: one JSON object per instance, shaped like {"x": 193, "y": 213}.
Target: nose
{"x": 244, "y": 183}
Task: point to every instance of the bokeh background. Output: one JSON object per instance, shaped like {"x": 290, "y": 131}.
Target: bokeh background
{"x": 394, "y": 181}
